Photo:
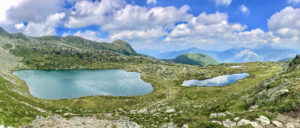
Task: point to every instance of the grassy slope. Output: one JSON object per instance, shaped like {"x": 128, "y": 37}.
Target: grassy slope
{"x": 192, "y": 105}
{"x": 195, "y": 59}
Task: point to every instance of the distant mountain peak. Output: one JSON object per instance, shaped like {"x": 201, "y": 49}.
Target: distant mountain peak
{"x": 2, "y": 31}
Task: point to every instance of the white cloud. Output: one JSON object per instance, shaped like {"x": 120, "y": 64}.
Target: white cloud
{"x": 286, "y": 23}
{"x": 90, "y": 35}
{"x": 33, "y": 10}
{"x": 44, "y": 28}
{"x": 149, "y": 34}
{"x": 223, "y": 2}
{"x": 244, "y": 9}
{"x": 118, "y": 16}
{"x": 19, "y": 26}
{"x": 209, "y": 30}
{"x": 293, "y": 1}
{"x": 151, "y": 1}
{"x": 177, "y": 27}
{"x": 205, "y": 26}
{"x": 6, "y": 5}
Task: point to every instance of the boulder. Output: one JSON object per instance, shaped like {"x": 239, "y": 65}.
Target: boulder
{"x": 236, "y": 118}
{"x": 185, "y": 126}
{"x": 143, "y": 111}
{"x": 263, "y": 120}
{"x": 217, "y": 115}
{"x": 218, "y": 122}
{"x": 244, "y": 122}
{"x": 292, "y": 125}
{"x": 170, "y": 110}
{"x": 277, "y": 124}
{"x": 228, "y": 123}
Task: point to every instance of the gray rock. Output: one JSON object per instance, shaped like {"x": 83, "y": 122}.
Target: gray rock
{"x": 170, "y": 110}
{"x": 254, "y": 107}
{"x": 228, "y": 123}
{"x": 277, "y": 124}
{"x": 278, "y": 93}
{"x": 263, "y": 120}
{"x": 143, "y": 111}
{"x": 236, "y": 118}
{"x": 218, "y": 122}
{"x": 292, "y": 125}
{"x": 244, "y": 122}
{"x": 216, "y": 115}
{"x": 185, "y": 126}
{"x": 79, "y": 122}
{"x": 169, "y": 125}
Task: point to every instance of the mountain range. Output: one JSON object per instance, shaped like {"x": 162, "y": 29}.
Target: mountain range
{"x": 261, "y": 53}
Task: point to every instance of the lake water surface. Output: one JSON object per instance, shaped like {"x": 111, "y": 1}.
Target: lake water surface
{"x": 66, "y": 84}
{"x": 216, "y": 81}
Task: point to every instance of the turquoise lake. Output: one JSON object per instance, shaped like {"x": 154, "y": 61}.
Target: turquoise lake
{"x": 66, "y": 84}
{"x": 216, "y": 81}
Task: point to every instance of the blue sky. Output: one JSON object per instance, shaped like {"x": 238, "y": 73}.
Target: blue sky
{"x": 161, "y": 25}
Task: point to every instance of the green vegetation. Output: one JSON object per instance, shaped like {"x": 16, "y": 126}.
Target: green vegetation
{"x": 295, "y": 62}
{"x": 270, "y": 85}
{"x": 195, "y": 59}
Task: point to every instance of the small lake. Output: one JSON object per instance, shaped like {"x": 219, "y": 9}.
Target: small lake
{"x": 216, "y": 81}
{"x": 66, "y": 84}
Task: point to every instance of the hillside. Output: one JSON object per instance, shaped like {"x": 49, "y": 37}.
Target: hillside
{"x": 195, "y": 59}
{"x": 270, "y": 94}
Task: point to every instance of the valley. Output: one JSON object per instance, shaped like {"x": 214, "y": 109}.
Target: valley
{"x": 270, "y": 91}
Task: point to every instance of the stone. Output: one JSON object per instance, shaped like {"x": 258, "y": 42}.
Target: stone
{"x": 170, "y": 110}
{"x": 79, "y": 122}
{"x": 217, "y": 115}
{"x": 143, "y": 111}
{"x": 278, "y": 93}
{"x": 244, "y": 122}
{"x": 292, "y": 125}
{"x": 277, "y": 124}
{"x": 169, "y": 125}
{"x": 185, "y": 126}
{"x": 236, "y": 118}
{"x": 228, "y": 113}
{"x": 263, "y": 120}
{"x": 218, "y": 122}
{"x": 228, "y": 123}
{"x": 254, "y": 107}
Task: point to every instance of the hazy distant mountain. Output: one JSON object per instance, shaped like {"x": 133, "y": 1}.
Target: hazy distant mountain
{"x": 173, "y": 54}
{"x": 259, "y": 53}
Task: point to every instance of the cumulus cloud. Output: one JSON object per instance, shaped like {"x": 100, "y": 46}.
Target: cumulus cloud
{"x": 33, "y": 10}
{"x": 6, "y": 5}
{"x": 214, "y": 29}
{"x": 19, "y": 26}
{"x": 223, "y": 2}
{"x": 151, "y": 1}
{"x": 205, "y": 26}
{"x": 91, "y": 35}
{"x": 44, "y": 28}
{"x": 244, "y": 9}
{"x": 117, "y": 15}
{"x": 164, "y": 27}
{"x": 139, "y": 34}
{"x": 286, "y": 23}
